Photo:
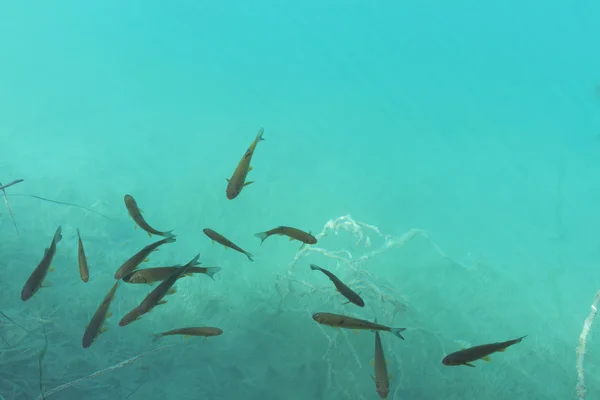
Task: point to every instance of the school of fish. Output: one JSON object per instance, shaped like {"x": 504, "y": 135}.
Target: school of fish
{"x": 167, "y": 276}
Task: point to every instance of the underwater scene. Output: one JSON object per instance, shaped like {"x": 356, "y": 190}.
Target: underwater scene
{"x": 317, "y": 200}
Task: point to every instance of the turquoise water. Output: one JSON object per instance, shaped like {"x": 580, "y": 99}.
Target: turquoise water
{"x": 447, "y": 150}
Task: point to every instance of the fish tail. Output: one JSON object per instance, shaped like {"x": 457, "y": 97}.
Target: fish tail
{"x": 57, "y": 235}
{"x": 211, "y": 271}
{"x": 314, "y": 267}
{"x": 194, "y": 261}
{"x": 397, "y": 332}
{"x": 259, "y": 135}
{"x": 169, "y": 234}
{"x": 262, "y": 236}
{"x": 250, "y": 256}
{"x": 157, "y": 337}
{"x": 78, "y": 234}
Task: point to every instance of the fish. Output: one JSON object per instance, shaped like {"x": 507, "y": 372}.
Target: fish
{"x": 205, "y": 331}
{"x": 157, "y": 274}
{"x": 155, "y": 297}
{"x": 346, "y": 322}
{"x": 217, "y": 237}
{"x": 237, "y": 182}
{"x": 84, "y": 271}
{"x": 95, "y": 328}
{"x": 481, "y": 352}
{"x": 341, "y": 287}
{"x": 139, "y": 257}
{"x": 36, "y": 279}
{"x": 136, "y": 214}
{"x": 381, "y": 378}
{"x": 292, "y": 233}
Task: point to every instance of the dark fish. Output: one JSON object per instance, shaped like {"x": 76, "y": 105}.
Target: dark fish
{"x": 236, "y": 183}
{"x": 467, "y": 356}
{"x": 155, "y": 297}
{"x": 136, "y": 213}
{"x": 292, "y": 233}
{"x": 217, "y": 237}
{"x": 343, "y": 321}
{"x": 341, "y": 287}
{"x": 38, "y": 275}
{"x": 95, "y": 326}
{"x": 381, "y": 378}
{"x": 140, "y": 256}
{"x": 205, "y": 331}
{"x": 159, "y": 274}
{"x": 84, "y": 271}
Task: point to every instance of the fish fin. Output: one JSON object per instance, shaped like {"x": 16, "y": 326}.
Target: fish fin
{"x": 302, "y": 246}
{"x": 52, "y": 269}
{"x": 227, "y": 179}
{"x": 469, "y": 365}
{"x": 171, "y": 291}
{"x": 102, "y": 329}
{"x": 46, "y": 284}
{"x": 188, "y": 274}
{"x": 161, "y": 302}
{"x": 141, "y": 211}
{"x": 390, "y": 376}
{"x": 356, "y": 332}
{"x": 372, "y": 362}
{"x": 211, "y": 271}
{"x": 169, "y": 234}
{"x": 486, "y": 358}
{"x": 156, "y": 337}
{"x": 248, "y": 183}
{"x": 186, "y": 336}
{"x": 346, "y": 303}
{"x": 213, "y": 242}
{"x": 149, "y": 234}
{"x": 262, "y": 236}
{"x": 502, "y": 350}
{"x": 250, "y": 256}
{"x": 259, "y": 135}
{"x": 250, "y": 168}
{"x": 372, "y": 377}
{"x": 146, "y": 260}
{"x": 397, "y": 332}
{"x": 135, "y": 227}
{"x": 108, "y": 314}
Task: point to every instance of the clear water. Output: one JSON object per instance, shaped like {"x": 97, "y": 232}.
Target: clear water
{"x": 461, "y": 138}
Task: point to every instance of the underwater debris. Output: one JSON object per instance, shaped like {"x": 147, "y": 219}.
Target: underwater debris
{"x": 2, "y": 187}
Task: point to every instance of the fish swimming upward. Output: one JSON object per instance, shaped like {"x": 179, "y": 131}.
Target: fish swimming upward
{"x": 482, "y": 352}
{"x": 217, "y": 237}
{"x": 343, "y": 321}
{"x": 139, "y": 257}
{"x": 381, "y": 378}
{"x": 155, "y": 297}
{"x": 341, "y": 287}
{"x": 84, "y": 271}
{"x": 136, "y": 214}
{"x": 237, "y": 182}
{"x": 36, "y": 279}
{"x": 95, "y": 328}
{"x": 292, "y": 233}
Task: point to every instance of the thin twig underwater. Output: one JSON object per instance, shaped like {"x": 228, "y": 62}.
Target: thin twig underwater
{"x": 2, "y": 187}
{"x": 61, "y": 203}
